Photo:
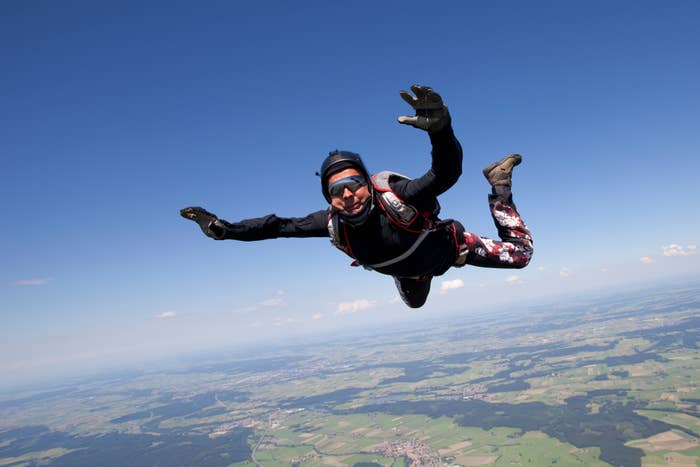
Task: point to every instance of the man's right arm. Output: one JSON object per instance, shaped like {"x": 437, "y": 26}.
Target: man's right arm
{"x": 271, "y": 226}
{"x": 261, "y": 228}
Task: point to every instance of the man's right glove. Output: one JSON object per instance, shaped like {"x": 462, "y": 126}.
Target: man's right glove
{"x": 208, "y": 222}
{"x": 431, "y": 112}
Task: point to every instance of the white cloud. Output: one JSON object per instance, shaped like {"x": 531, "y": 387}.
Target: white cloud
{"x": 541, "y": 268}
{"x": 395, "y": 299}
{"x": 284, "y": 321}
{"x": 273, "y": 302}
{"x": 276, "y": 301}
{"x": 513, "y": 280}
{"x": 34, "y": 281}
{"x": 166, "y": 315}
{"x": 449, "y": 285}
{"x": 317, "y": 316}
{"x": 647, "y": 260}
{"x": 678, "y": 250}
{"x": 345, "y": 308}
{"x": 603, "y": 269}
{"x": 566, "y": 272}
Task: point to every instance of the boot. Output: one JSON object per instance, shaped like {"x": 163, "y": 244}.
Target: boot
{"x": 499, "y": 172}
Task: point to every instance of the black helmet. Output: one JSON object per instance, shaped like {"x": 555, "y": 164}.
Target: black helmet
{"x": 338, "y": 160}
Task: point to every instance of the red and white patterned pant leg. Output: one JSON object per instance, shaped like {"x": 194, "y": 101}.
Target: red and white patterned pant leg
{"x": 513, "y": 251}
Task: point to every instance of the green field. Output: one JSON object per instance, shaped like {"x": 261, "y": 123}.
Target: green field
{"x": 610, "y": 382}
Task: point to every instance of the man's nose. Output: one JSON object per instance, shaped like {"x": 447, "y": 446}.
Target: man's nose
{"x": 347, "y": 193}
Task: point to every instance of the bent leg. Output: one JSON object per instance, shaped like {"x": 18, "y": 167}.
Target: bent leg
{"x": 515, "y": 248}
{"x": 413, "y": 292}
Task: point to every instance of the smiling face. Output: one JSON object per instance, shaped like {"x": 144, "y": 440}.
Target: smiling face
{"x": 349, "y": 202}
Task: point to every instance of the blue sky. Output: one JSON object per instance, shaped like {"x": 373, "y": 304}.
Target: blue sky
{"x": 115, "y": 115}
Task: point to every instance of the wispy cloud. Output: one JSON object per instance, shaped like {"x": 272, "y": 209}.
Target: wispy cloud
{"x": 317, "y": 316}
{"x": 395, "y": 299}
{"x": 566, "y": 272}
{"x": 284, "y": 321}
{"x": 513, "y": 280}
{"x": 647, "y": 260}
{"x": 678, "y": 250}
{"x": 34, "y": 281}
{"x": 275, "y": 301}
{"x": 272, "y": 302}
{"x": 346, "y": 308}
{"x": 451, "y": 285}
{"x": 166, "y": 315}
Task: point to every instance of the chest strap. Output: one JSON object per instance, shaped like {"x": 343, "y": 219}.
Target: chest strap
{"x": 403, "y": 255}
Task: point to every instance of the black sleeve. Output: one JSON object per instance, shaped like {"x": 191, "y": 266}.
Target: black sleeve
{"x": 445, "y": 169}
{"x": 271, "y": 226}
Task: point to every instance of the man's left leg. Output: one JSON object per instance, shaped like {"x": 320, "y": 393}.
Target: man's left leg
{"x": 515, "y": 248}
{"x": 413, "y": 292}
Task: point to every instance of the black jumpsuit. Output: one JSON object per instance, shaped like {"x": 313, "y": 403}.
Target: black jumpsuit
{"x": 378, "y": 239}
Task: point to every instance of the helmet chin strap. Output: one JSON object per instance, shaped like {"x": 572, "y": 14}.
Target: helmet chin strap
{"x": 362, "y": 216}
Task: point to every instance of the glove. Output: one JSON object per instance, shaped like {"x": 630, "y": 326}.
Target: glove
{"x": 431, "y": 113}
{"x": 208, "y": 222}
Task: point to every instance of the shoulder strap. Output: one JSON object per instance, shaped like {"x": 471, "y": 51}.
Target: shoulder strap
{"x": 380, "y": 180}
{"x": 339, "y": 241}
{"x": 402, "y": 214}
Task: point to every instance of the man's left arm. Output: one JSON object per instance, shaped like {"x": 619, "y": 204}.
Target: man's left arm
{"x": 432, "y": 116}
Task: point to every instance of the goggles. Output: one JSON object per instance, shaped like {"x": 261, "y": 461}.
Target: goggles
{"x": 352, "y": 183}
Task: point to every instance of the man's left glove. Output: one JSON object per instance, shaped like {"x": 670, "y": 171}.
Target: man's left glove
{"x": 431, "y": 112}
{"x": 208, "y": 222}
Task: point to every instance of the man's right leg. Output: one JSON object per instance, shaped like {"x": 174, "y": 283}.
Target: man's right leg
{"x": 413, "y": 292}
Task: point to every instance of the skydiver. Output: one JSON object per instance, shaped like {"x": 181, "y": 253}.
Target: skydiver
{"x": 389, "y": 223}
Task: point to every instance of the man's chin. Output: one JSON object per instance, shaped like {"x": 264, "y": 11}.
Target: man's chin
{"x": 354, "y": 210}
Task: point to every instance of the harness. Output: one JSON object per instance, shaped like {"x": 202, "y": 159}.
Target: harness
{"x": 403, "y": 215}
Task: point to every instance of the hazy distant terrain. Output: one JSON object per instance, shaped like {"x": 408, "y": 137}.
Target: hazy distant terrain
{"x": 606, "y": 381}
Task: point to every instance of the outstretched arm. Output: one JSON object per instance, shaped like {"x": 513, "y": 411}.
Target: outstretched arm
{"x": 261, "y": 228}
{"x": 432, "y": 116}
